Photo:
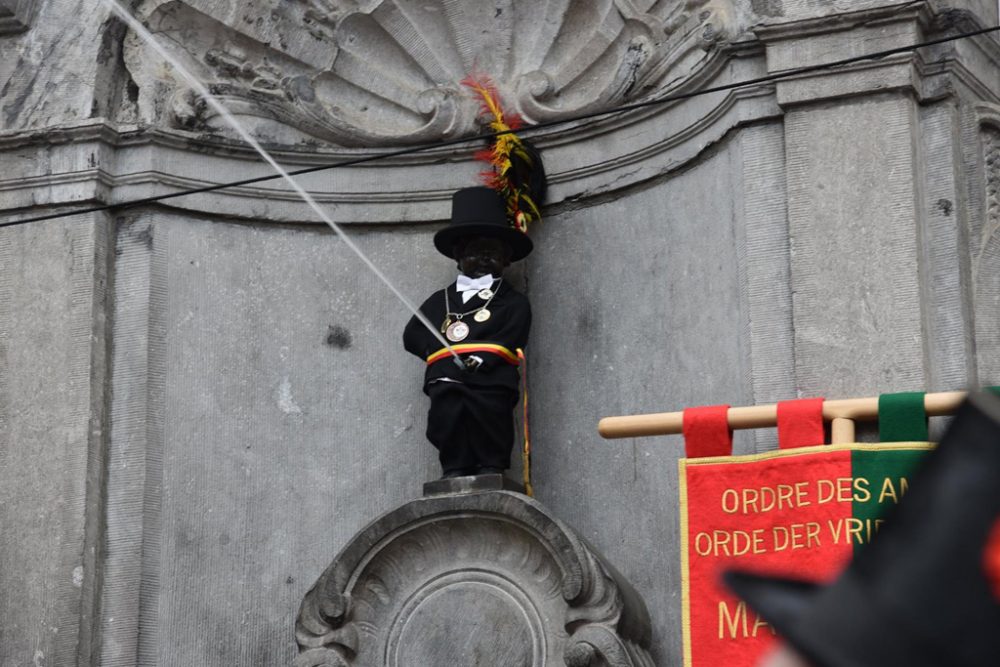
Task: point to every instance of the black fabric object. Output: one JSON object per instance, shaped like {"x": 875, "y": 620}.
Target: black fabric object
{"x": 470, "y": 420}
{"x": 480, "y": 211}
{"x": 531, "y": 172}
{"x": 509, "y": 323}
{"x": 527, "y": 178}
{"x": 918, "y": 595}
{"x": 471, "y": 427}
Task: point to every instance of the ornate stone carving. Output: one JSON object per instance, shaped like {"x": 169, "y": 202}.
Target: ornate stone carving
{"x": 985, "y": 248}
{"x": 489, "y": 575}
{"x": 355, "y": 72}
{"x": 992, "y": 162}
{"x": 16, "y": 15}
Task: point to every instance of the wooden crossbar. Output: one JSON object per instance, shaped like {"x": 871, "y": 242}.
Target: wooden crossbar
{"x": 842, "y": 414}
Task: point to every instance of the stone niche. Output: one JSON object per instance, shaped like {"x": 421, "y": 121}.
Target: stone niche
{"x": 473, "y": 573}
{"x": 387, "y": 72}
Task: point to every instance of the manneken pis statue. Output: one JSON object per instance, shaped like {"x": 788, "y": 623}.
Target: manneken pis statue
{"x": 486, "y": 320}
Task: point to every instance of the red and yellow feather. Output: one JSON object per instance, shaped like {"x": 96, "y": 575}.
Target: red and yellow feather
{"x": 508, "y": 156}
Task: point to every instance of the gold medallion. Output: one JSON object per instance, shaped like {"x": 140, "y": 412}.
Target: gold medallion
{"x": 482, "y": 315}
{"x": 457, "y": 331}
{"x": 446, "y": 324}
{"x": 486, "y": 294}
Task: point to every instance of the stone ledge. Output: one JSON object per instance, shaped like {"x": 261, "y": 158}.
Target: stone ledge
{"x": 471, "y": 484}
{"x": 897, "y": 75}
{"x": 931, "y": 73}
{"x": 54, "y": 166}
{"x": 460, "y": 578}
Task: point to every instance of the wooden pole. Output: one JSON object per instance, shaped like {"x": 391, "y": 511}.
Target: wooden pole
{"x": 841, "y": 430}
{"x": 762, "y": 416}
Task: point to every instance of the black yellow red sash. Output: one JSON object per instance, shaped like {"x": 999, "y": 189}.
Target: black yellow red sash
{"x": 468, "y": 348}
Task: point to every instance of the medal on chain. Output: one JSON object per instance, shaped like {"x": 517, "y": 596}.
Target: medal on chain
{"x": 457, "y": 331}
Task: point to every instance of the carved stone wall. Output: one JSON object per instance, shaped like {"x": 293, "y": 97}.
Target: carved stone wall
{"x": 202, "y": 400}
{"x": 388, "y": 72}
{"x": 476, "y": 577}
{"x": 986, "y": 248}
{"x": 299, "y": 75}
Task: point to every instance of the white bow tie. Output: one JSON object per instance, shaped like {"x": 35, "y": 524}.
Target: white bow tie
{"x": 469, "y": 287}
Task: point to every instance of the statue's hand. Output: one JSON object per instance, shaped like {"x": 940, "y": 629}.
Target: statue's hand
{"x": 473, "y": 362}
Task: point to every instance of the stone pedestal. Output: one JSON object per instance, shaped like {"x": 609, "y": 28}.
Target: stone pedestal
{"x": 471, "y": 574}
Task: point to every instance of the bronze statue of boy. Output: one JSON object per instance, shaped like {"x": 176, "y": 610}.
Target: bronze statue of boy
{"x": 486, "y": 321}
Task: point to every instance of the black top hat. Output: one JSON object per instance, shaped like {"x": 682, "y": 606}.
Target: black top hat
{"x": 919, "y": 595}
{"x": 480, "y": 211}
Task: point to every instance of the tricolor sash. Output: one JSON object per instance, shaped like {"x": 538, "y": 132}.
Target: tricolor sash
{"x": 468, "y": 348}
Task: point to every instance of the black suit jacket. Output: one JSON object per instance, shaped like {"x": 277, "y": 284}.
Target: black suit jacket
{"x": 509, "y": 323}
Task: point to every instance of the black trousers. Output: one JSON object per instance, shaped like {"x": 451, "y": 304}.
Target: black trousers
{"x": 472, "y": 427}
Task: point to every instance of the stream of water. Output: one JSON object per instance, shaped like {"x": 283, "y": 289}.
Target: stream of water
{"x": 202, "y": 90}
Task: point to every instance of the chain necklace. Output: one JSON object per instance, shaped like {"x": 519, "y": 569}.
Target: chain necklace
{"x": 455, "y": 329}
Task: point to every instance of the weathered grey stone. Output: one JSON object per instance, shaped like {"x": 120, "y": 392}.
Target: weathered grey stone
{"x": 87, "y": 160}
{"x": 942, "y": 235}
{"x": 792, "y": 44}
{"x": 53, "y": 345}
{"x": 661, "y": 325}
{"x": 64, "y": 69}
{"x": 471, "y": 578}
{"x": 985, "y": 249}
{"x": 390, "y": 71}
{"x": 833, "y": 234}
{"x": 329, "y": 360}
{"x": 136, "y": 453}
{"x": 833, "y": 10}
{"x": 854, "y": 257}
{"x": 16, "y": 15}
{"x": 471, "y": 483}
{"x": 932, "y": 228}
{"x": 764, "y": 262}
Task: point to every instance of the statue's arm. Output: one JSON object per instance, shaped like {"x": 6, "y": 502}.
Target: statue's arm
{"x": 417, "y": 340}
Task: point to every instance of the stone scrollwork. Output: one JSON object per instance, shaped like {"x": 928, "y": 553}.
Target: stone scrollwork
{"x": 16, "y": 15}
{"x": 371, "y": 72}
{"x": 477, "y": 578}
{"x": 985, "y": 246}
{"x": 991, "y": 161}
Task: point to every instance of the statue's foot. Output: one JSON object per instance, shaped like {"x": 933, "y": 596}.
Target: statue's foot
{"x": 487, "y": 470}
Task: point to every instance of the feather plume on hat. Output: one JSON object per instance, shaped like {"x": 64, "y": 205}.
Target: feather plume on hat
{"x": 516, "y": 169}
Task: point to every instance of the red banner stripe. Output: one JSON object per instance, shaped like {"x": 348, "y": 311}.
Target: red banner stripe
{"x": 706, "y": 431}
{"x": 800, "y": 423}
